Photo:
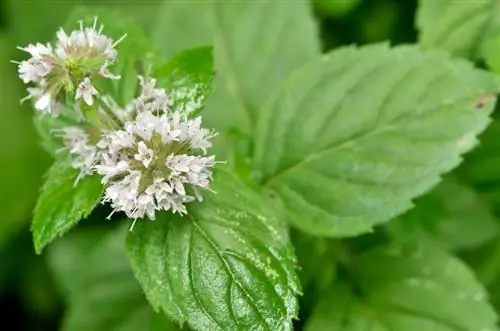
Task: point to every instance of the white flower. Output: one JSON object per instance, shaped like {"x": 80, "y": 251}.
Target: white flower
{"x": 74, "y": 59}
{"x": 88, "y": 42}
{"x": 38, "y": 66}
{"x": 44, "y": 102}
{"x": 144, "y": 154}
{"x": 86, "y": 91}
{"x": 151, "y": 99}
{"x": 151, "y": 165}
{"x": 84, "y": 155}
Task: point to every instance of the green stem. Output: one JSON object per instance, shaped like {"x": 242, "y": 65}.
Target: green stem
{"x": 109, "y": 112}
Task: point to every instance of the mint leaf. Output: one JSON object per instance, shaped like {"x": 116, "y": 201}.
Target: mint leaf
{"x": 460, "y": 27}
{"x": 452, "y": 215}
{"x": 188, "y": 78}
{"x": 251, "y": 59}
{"x": 356, "y": 135}
{"x": 137, "y": 53}
{"x": 406, "y": 288}
{"x": 227, "y": 265}
{"x": 102, "y": 292}
{"x": 61, "y": 203}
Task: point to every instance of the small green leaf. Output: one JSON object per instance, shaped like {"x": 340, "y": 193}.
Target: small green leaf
{"x": 257, "y": 44}
{"x": 137, "y": 53}
{"x": 356, "y": 135}
{"x": 62, "y": 203}
{"x": 227, "y": 265}
{"x": 460, "y": 27}
{"x": 102, "y": 293}
{"x": 188, "y": 78}
{"x": 405, "y": 288}
{"x": 452, "y": 215}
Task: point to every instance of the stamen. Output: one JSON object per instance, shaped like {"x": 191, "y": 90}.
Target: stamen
{"x": 119, "y": 40}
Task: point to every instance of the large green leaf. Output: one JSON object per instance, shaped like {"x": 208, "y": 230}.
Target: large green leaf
{"x": 257, "y": 44}
{"x": 63, "y": 202}
{"x": 405, "y": 288}
{"x": 102, "y": 293}
{"x": 463, "y": 28}
{"x": 188, "y": 78}
{"x": 356, "y": 135}
{"x": 227, "y": 265}
{"x": 452, "y": 215}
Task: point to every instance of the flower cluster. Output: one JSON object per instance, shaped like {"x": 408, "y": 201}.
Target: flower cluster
{"x": 151, "y": 157}
{"x": 148, "y": 165}
{"x": 156, "y": 161}
{"x": 69, "y": 66}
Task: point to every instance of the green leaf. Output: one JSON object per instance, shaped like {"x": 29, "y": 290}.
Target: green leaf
{"x": 62, "y": 203}
{"x": 460, "y": 27}
{"x": 257, "y": 44}
{"x": 188, "y": 78}
{"x": 405, "y": 288}
{"x": 103, "y": 293}
{"x": 227, "y": 265}
{"x": 356, "y": 135}
{"x": 137, "y": 53}
{"x": 452, "y": 215}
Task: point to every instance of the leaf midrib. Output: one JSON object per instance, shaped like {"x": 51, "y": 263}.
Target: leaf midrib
{"x": 354, "y": 140}
{"x": 213, "y": 245}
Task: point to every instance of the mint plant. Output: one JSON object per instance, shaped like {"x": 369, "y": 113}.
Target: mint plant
{"x": 235, "y": 185}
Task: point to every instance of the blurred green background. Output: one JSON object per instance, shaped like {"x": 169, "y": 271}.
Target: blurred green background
{"x": 29, "y": 298}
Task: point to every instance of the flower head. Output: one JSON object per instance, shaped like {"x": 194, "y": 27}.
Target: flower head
{"x": 38, "y": 66}
{"x": 89, "y": 47}
{"x": 69, "y": 65}
{"x": 151, "y": 99}
{"x": 86, "y": 91}
{"x": 153, "y": 164}
{"x": 84, "y": 155}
